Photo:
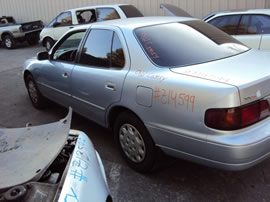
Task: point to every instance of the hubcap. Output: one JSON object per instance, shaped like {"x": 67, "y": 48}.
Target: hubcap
{"x": 33, "y": 91}
{"x": 132, "y": 143}
{"x": 8, "y": 43}
{"x": 48, "y": 45}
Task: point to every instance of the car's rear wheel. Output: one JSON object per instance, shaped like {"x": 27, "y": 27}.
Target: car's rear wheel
{"x": 48, "y": 43}
{"x": 134, "y": 142}
{"x": 35, "y": 96}
{"x": 9, "y": 42}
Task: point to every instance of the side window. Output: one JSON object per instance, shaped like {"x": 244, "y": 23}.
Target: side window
{"x": 86, "y": 16}
{"x": 97, "y": 49}
{"x": 64, "y": 19}
{"x": 107, "y": 14}
{"x": 68, "y": 47}
{"x": 254, "y": 24}
{"x": 117, "y": 56}
{"x": 227, "y": 24}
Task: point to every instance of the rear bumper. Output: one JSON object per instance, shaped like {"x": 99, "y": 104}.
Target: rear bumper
{"x": 24, "y": 35}
{"x": 237, "y": 151}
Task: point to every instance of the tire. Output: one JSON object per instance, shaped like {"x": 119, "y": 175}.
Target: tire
{"x": 48, "y": 43}
{"x": 134, "y": 142}
{"x": 38, "y": 101}
{"x": 9, "y": 42}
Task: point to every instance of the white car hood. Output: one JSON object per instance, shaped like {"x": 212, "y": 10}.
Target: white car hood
{"x": 22, "y": 155}
{"x": 249, "y": 72}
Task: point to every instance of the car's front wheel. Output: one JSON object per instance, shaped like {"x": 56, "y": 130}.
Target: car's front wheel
{"x": 134, "y": 142}
{"x": 48, "y": 43}
{"x": 35, "y": 96}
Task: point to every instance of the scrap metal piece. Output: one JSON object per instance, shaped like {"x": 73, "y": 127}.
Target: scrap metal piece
{"x": 174, "y": 10}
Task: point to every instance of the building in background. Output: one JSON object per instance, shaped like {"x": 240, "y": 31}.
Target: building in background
{"x": 27, "y": 10}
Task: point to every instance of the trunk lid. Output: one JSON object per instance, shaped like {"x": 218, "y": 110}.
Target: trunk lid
{"x": 249, "y": 72}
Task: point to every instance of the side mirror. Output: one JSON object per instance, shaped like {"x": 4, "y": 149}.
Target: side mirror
{"x": 43, "y": 55}
{"x": 56, "y": 24}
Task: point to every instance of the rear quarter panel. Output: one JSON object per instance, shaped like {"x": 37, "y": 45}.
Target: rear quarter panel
{"x": 170, "y": 101}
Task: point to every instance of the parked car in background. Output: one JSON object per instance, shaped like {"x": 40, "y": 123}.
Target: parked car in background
{"x": 252, "y": 27}
{"x": 84, "y": 15}
{"x": 50, "y": 163}
{"x": 147, "y": 79}
{"x": 12, "y": 32}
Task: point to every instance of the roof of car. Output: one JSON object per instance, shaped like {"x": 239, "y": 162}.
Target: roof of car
{"x": 133, "y": 23}
{"x": 96, "y": 6}
{"x": 248, "y": 11}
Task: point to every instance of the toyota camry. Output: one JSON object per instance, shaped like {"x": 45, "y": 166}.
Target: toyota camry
{"x": 174, "y": 84}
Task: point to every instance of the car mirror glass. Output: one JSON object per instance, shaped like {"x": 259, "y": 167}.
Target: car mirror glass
{"x": 56, "y": 24}
{"x": 43, "y": 55}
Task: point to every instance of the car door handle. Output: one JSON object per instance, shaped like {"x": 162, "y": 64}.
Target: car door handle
{"x": 110, "y": 86}
{"x": 65, "y": 75}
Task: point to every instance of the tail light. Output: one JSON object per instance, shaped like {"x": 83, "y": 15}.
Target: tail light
{"x": 238, "y": 117}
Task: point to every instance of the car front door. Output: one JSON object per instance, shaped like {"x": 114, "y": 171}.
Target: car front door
{"x": 62, "y": 24}
{"x": 98, "y": 76}
{"x": 55, "y": 75}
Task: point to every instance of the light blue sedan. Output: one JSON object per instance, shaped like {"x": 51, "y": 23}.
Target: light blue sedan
{"x": 171, "y": 83}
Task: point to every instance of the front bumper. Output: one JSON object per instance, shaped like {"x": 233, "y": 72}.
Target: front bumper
{"x": 85, "y": 178}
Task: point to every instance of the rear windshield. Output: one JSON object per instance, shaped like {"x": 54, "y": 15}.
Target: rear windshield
{"x": 131, "y": 11}
{"x": 186, "y": 43}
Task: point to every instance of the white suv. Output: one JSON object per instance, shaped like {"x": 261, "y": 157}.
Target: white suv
{"x": 252, "y": 27}
{"x": 84, "y": 15}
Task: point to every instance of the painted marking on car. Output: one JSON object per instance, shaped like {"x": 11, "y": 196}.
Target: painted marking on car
{"x": 81, "y": 161}
{"x": 150, "y": 75}
{"x": 78, "y": 175}
{"x": 207, "y": 76}
{"x": 147, "y": 43}
{"x": 176, "y": 99}
{"x": 72, "y": 196}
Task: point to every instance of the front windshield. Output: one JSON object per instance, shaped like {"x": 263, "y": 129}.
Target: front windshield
{"x": 186, "y": 43}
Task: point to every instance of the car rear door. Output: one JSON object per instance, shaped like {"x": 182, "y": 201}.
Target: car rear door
{"x": 106, "y": 13}
{"x": 98, "y": 76}
{"x": 250, "y": 31}
{"x": 263, "y": 24}
{"x": 232, "y": 26}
